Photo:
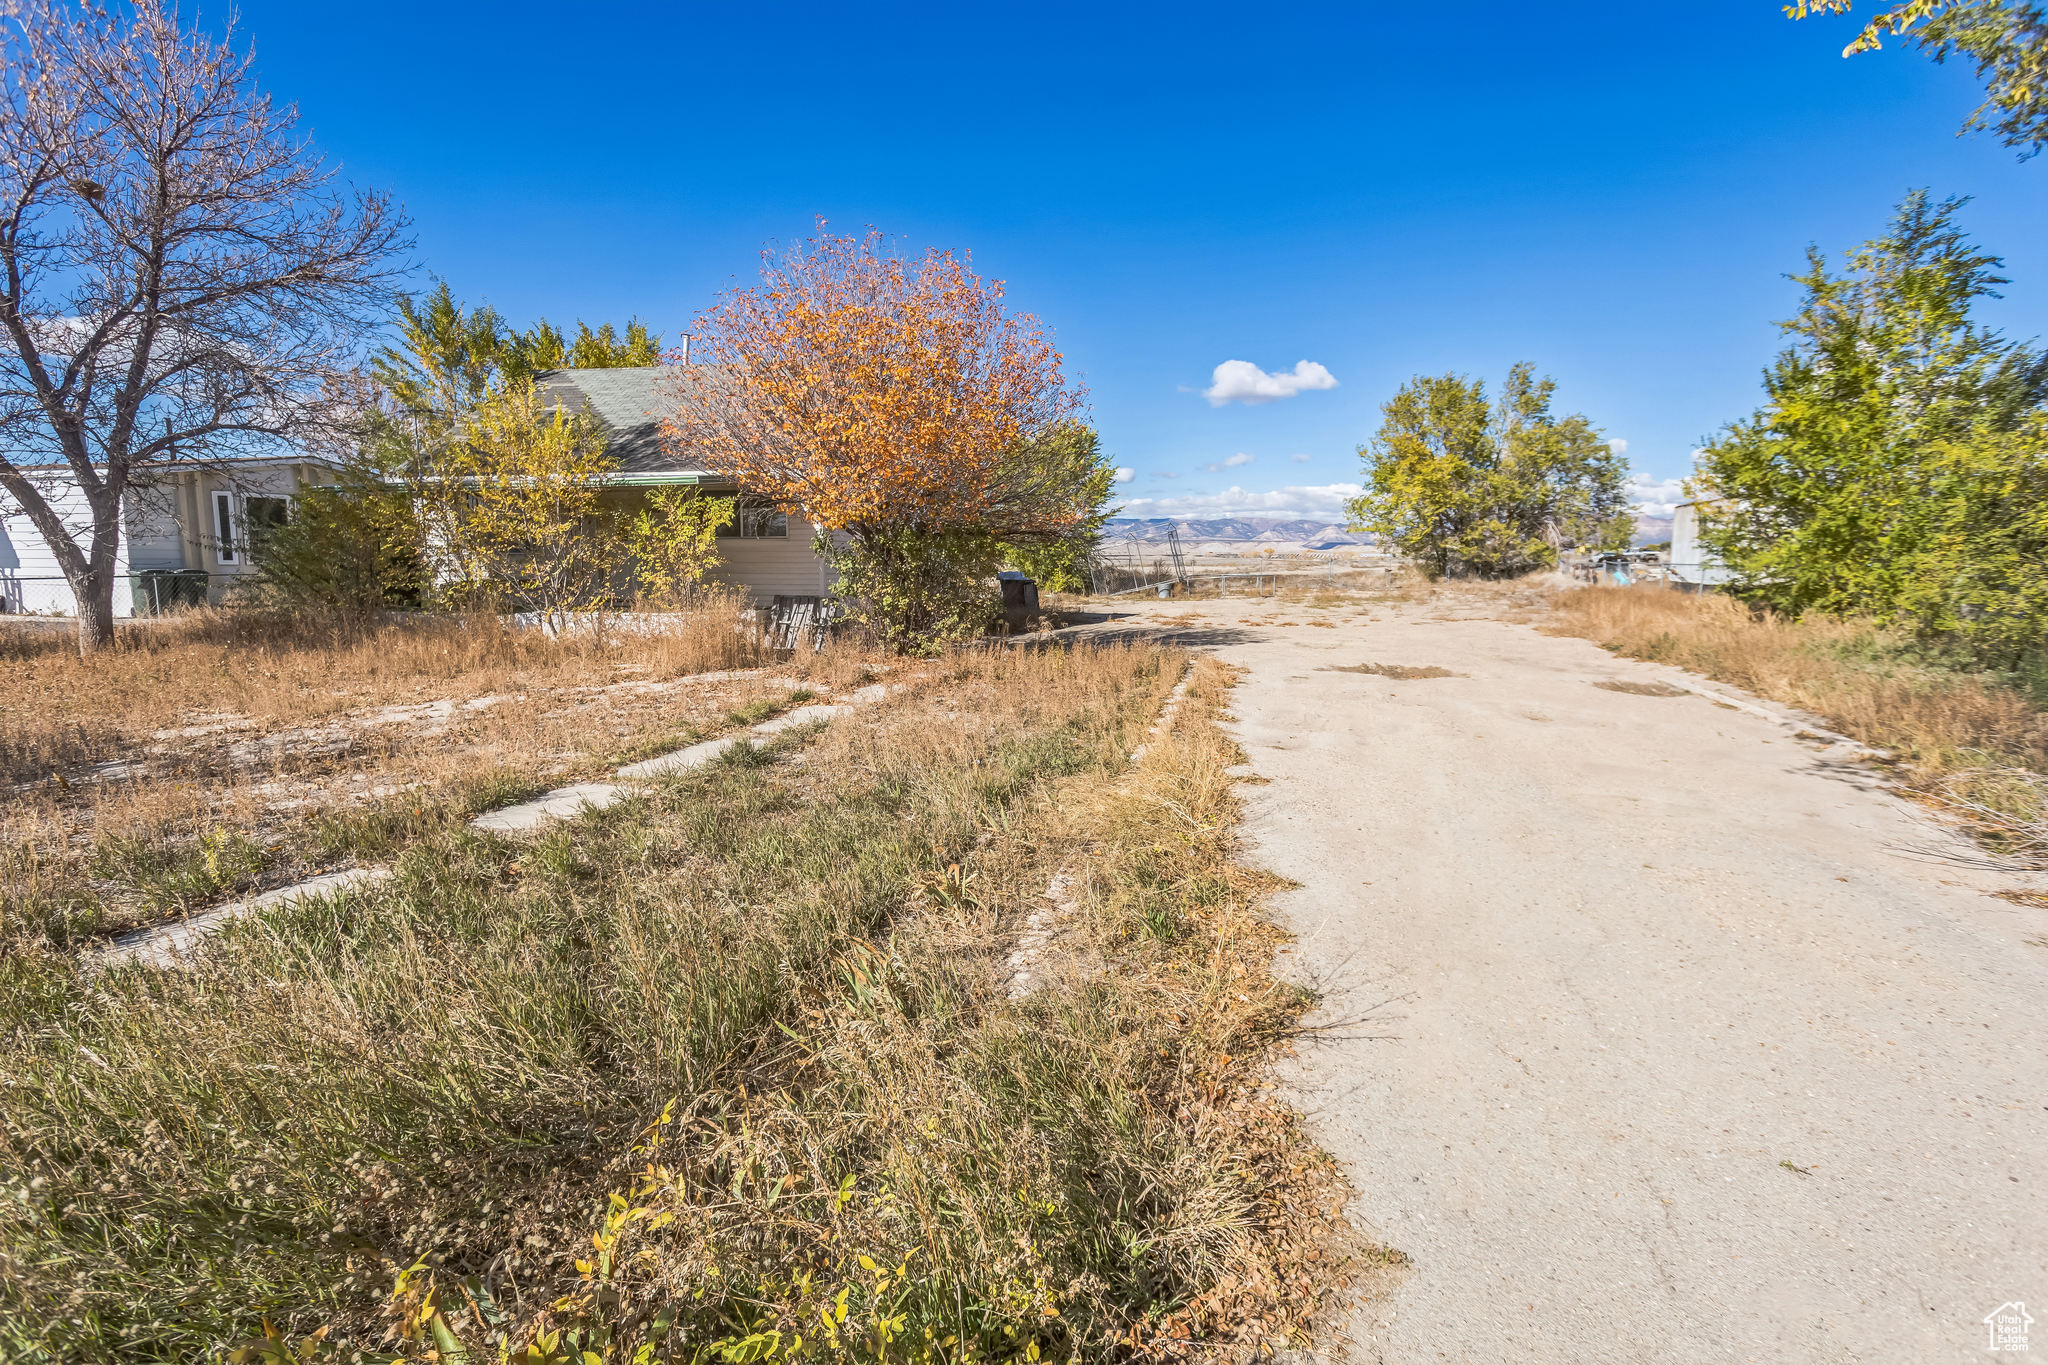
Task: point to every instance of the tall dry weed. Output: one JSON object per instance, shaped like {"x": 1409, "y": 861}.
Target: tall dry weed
{"x": 726, "y": 1071}
{"x": 58, "y": 710}
{"x": 1873, "y": 686}
{"x": 1968, "y": 740}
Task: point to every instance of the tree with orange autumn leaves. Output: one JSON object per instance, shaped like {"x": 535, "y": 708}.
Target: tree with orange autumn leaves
{"x": 901, "y": 407}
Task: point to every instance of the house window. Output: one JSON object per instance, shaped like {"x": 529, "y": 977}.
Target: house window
{"x": 225, "y": 539}
{"x": 757, "y": 523}
{"x": 240, "y": 524}
{"x": 260, "y": 517}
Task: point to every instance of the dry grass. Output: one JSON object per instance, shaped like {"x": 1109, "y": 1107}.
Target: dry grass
{"x": 1870, "y": 687}
{"x": 59, "y": 712}
{"x": 1975, "y": 745}
{"x": 214, "y": 753}
{"x": 724, "y": 1066}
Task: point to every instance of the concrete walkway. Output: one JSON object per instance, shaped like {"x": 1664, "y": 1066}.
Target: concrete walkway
{"x": 177, "y": 942}
{"x": 1601, "y": 970}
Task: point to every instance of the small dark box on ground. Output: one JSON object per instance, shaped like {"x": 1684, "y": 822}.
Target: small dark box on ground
{"x": 1020, "y": 601}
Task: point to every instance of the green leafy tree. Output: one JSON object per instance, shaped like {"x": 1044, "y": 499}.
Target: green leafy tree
{"x": 1890, "y": 425}
{"x": 503, "y": 486}
{"x": 446, "y": 360}
{"x": 673, "y": 541}
{"x": 1464, "y": 487}
{"x": 351, "y": 549}
{"x": 1981, "y": 571}
{"x": 924, "y": 585}
{"x": 918, "y": 587}
{"x": 2008, "y": 41}
{"x": 1068, "y": 461}
{"x": 526, "y": 354}
{"x": 605, "y": 349}
{"x": 448, "y": 357}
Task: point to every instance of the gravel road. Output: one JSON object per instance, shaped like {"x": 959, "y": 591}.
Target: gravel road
{"x": 1655, "y": 1033}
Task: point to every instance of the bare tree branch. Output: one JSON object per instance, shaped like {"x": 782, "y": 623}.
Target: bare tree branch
{"x": 181, "y": 276}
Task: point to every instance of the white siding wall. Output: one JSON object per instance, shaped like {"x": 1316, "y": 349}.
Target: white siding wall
{"x": 150, "y": 518}
{"x": 167, "y": 526}
{"x": 768, "y": 566}
{"x": 1692, "y": 562}
{"x": 34, "y": 583}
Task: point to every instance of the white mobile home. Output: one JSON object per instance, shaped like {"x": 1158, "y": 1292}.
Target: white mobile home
{"x": 1693, "y": 565}
{"x": 184, "y": 537}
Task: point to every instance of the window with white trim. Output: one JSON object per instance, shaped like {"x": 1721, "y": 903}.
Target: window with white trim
{"x": 225, "y": 539}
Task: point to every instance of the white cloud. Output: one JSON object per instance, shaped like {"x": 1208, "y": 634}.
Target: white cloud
{"x": 1300, "y": 459}
{"x": 1237, "y": 461}
{"x": 1655, "y": 497}
{"x": 1311, "y": 500}
{"x": 1618, "y": 446}
{"x": 1124, "y": 473}
{"x": 1240, "y": 381}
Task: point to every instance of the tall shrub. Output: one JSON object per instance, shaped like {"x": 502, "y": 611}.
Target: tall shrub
{"x": 1464, "y": 487}
{"x": 672, "y": 542}
{"x": 511, "y": 511}
{"x": 1890, "y": 469}
{"x": 352, "y": 548}
{"x": 896, "y": 404}
{"x": 1069, "y": 460}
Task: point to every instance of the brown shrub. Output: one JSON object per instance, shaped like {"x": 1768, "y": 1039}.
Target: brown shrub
{"x": 1973, "y": 745}
{"x": 1870, "y": 685}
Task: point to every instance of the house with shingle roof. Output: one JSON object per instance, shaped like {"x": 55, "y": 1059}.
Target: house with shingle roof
{"x": 766, "y": 552}
{"x": 188, "y": 531}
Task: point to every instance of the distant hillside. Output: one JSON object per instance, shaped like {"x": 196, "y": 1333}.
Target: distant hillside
{"x": 1267, "y": 530}
{"x": 1293, "y": 531}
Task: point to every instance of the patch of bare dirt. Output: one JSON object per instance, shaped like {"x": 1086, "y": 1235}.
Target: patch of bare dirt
{"x": 1406, "y": 672}
{"x": 1641, "y": 689}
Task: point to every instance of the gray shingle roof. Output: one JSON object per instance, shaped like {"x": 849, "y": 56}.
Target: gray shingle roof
{"x": 631, "y": 404}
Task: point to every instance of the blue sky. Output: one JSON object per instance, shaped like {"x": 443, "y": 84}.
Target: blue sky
{"x": 1611, "y": 193}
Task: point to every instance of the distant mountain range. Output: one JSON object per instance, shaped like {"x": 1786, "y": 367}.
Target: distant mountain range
{"x": 1267, "y": 530}
{"x": 1295, "y": 531}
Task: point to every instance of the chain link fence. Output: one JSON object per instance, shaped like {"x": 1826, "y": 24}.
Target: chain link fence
{"x": 146, "y": 592}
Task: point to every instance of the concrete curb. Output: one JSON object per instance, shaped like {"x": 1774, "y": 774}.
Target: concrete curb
{"x": 559, "y": 804}
{"x": 170, "y": 945}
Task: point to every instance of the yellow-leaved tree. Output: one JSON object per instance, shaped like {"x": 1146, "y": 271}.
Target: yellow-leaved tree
{"x": 2007, "y": 39}
{"x": 902, "y": 408}
{"x": 510, "y": 511}
{"x": 673, "y": 542}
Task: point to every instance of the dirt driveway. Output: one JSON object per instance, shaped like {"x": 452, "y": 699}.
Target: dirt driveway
{"x": 1656, "y": 1034}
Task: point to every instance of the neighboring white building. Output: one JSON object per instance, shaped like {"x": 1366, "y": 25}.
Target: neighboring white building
{"x": 184, "y": 538}
{"x": 1693, "y": 565}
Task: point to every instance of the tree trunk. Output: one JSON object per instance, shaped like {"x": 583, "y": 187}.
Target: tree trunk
{"x": 94, "y": 593}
